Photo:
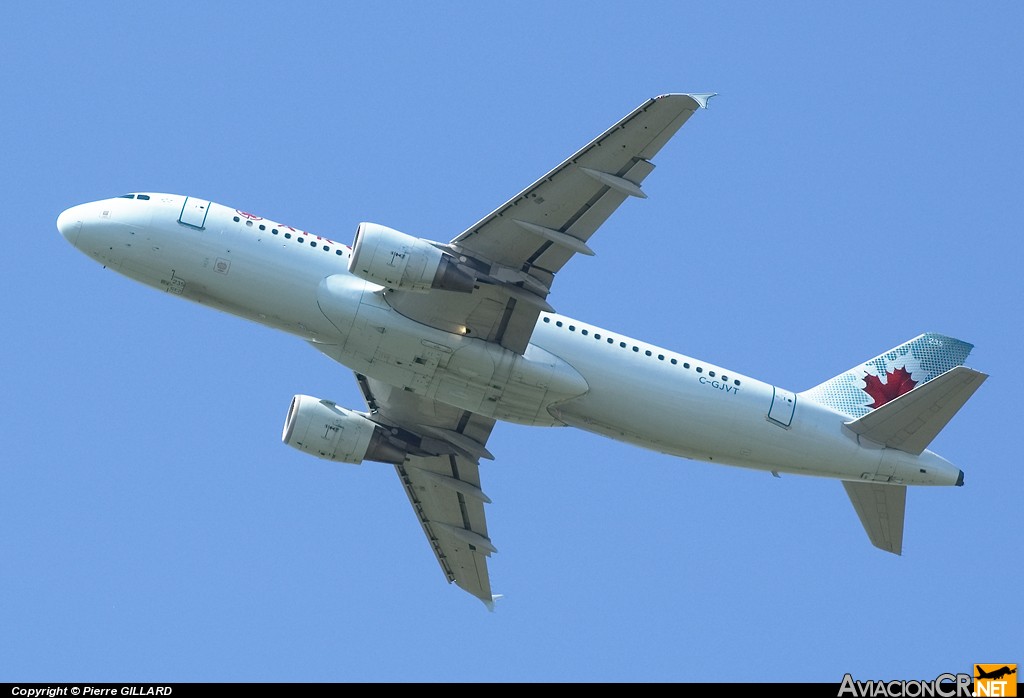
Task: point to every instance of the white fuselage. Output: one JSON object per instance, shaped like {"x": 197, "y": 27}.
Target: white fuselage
{"x": 572, "y": 373}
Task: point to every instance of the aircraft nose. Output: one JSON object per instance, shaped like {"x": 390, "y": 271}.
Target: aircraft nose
{"x": 69, "y": 223}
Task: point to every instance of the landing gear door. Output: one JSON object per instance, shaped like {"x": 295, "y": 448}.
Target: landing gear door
{"x": 783, "y": 404}
{"x": 194, "y": 211}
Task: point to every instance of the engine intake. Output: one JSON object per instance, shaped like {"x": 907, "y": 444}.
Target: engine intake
{"x": 321, "y": 428}
{"x": 399, "y": 261}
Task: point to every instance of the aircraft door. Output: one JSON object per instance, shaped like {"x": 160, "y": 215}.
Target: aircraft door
{"x": 783, "y": 405}
{"x": 194, "y": 211}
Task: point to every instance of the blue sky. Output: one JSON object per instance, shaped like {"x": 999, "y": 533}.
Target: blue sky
{"x": 857, "y": 182}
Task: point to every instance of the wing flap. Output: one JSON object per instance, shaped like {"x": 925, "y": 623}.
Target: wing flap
{"x": 589, "y": 219}
{"x": 486, "y": 313}
{"x": 515, "y": 251}
{"x": 443, "y": 488}
{"x": 443, "y": 510}
{"x": 562, "y": 196}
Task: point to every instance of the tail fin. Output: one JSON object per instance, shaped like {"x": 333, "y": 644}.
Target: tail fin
{"x": 908, "y": 423}
{"x": 886, "y": 377}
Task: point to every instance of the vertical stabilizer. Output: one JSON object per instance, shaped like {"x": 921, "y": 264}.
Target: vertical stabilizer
{"x": 894, "y": 373}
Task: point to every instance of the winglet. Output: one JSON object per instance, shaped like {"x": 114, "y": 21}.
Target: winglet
{"x": 701, "y": 98}
{"x": 490, "y": 604}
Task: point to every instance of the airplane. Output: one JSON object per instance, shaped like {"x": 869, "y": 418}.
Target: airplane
{"x": 996, "y": 673}
{"x": 446, "y": 339}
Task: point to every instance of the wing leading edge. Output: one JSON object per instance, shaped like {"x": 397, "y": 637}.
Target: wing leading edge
{"x": 515, "y": 252}
{"x": 542, "y": 227}
{"x": 517, "y": 249}
{"x": 444, "y": 489}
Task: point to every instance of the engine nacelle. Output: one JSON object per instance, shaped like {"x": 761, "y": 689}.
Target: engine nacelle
{"x": 321, "y": 428}
{"x": 396, "y": 260}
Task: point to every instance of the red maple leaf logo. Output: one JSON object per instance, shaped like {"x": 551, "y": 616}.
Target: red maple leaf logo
{"x": 897, "y": 383}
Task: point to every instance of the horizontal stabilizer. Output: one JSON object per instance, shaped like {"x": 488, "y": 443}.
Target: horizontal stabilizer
{"x": 881, "y": 509}
{"x": 911, "y": 421}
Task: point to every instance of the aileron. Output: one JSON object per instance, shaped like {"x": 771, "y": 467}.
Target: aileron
{"x": 446, "y": 338}
{"x": 443, "y": 487}
{"x": 515, "y": 251}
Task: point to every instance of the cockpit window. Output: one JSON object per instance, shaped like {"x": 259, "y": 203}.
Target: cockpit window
{"x": 143, "y": 197}
{"x": 127, "y": 196}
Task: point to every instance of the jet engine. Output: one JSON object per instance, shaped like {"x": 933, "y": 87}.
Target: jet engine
{"x": 399, "y": 261}
{"x": 321, "y": 428}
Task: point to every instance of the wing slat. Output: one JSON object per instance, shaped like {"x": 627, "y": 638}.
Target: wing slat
{"x": 540, "y": 229}
{"x": 444, "y": 490}
{"x": 515, "y": 253}
{"x": 564, "y": 194}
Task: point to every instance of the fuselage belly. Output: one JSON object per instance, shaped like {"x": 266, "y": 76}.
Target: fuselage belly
{"x": 573, "y": 373}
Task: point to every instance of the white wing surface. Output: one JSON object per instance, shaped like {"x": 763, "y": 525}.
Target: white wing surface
{"x": 444, "y": 489}
{"x": 514, "y": 253}
{"x": 516, "y": 250}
